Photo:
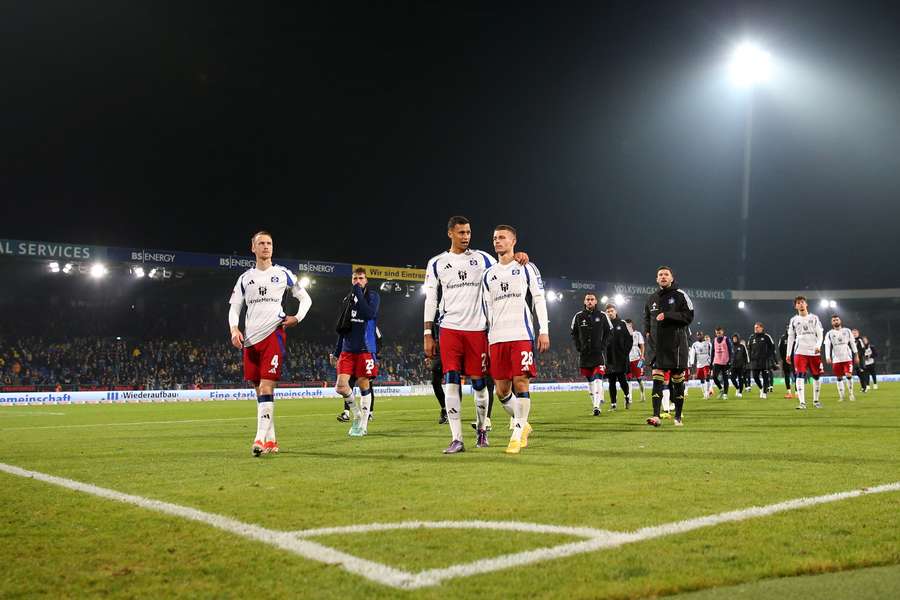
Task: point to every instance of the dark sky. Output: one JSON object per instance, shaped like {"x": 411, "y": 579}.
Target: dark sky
{"x": 606, "y": 132}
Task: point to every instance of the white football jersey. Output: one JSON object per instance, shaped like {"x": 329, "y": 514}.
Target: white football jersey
{"x": 702, "y": 353}
{"x": 508, "y": 313}
{"x": 458, "y": 279}
{"x": 262, "y": 292}
{"x": 636, "y": 338}
{"x": 840, "y": 345}
{"x": 804, "y": 335}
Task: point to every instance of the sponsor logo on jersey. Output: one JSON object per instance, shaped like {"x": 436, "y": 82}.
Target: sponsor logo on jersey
{"x": 504, "y": 286}
{"x": 462, "y": 275}
{"x": 263, "y": 291}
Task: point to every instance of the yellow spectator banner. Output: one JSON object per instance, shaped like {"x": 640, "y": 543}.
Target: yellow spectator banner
{"x": 395, "y": 273}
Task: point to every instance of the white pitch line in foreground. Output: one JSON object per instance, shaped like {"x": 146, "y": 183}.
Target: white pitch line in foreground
{"x": 296, "y": 542}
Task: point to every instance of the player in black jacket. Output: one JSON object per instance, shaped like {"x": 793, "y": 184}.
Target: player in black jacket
{"x": 592, "y": 333}
{"x": 762, "y": 356}
{"x": 617, "y": 363}
{"x": 786, "y": 367}
{"x": 739, "y": 365}
{"x": 667, "y": 318}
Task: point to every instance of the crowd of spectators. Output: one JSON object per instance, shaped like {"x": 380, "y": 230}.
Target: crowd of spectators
{"x": 117, "y": 362}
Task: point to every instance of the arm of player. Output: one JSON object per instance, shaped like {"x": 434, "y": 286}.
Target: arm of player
{"x": 819, "y": 335}
{"x": 683, "y": 310}
{"x": 487, "y": 306}
{"x": 536, "y": 287}
{"x": 430, "y": 288}
{"x": 574, "y": 331}
{"x": 828, "y": 349}
{"x": 305, "y": 301}
{"x": 366, "y": 303}
{"x": 234, "y": 313}
{"x": 789, "y": 348}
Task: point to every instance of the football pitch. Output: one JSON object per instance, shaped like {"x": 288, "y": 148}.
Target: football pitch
{"x": 751, "y": 499}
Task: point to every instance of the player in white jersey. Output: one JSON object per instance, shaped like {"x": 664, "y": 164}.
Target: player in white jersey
{"x": 511, "y": 292}
{"x": 453, "y": 288}
{"x": 841, "y": 353}
{"x": 636, "y": 357}
{"x": 702, "y": 353}
{"x": 261, "y": 289}
{"x": 804, "y": 346}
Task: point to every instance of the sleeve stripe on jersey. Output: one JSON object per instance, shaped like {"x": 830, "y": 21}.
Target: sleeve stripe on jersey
{"x": 486, "y": 257}
{"x": 527, "y": 327}
{"x": 688, "y": 300}
{"x": 527, "y": 276}
{"x": 288, "y": 275}
{"x": 434, "y": 268}
{"x": 484, "y": 280}
{"x": 242, "y": 284}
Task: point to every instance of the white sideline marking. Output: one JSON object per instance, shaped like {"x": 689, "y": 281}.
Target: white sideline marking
{"x": 32, "y": 414}
{"x": 295, "y": 542}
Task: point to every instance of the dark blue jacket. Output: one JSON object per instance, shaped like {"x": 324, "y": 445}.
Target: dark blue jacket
{"x": 363, "y": 320}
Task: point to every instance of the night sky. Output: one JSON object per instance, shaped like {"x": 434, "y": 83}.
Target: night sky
{"x": 606, "y": 132}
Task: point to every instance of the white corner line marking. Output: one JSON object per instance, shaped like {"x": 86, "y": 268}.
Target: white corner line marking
{"x": 296, "y": 542}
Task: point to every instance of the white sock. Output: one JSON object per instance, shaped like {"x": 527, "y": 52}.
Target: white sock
{"x": 365, "y": 402}
{"x": 525, "y": 404}
{"x": 509, "y": 405}
{"x": 801, "y": 390}
{"x": 270, "y": 434}
{"x": 453, "y": 403}
{"x": 519, "y": 411}
{"x": 353, "y": 405}
{"x": 817, "y": 387}
{"x": 263, "y": 419}
{"x": 666, "y": 405}
{"x": 596, "y": 387}
{"x": 840, "y": 388}
{"x": 481, "y": 404}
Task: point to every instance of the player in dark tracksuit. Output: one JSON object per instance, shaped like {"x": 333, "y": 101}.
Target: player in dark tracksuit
{"x": 762, "y": 356}
{"x": 739, "y": 364}
{"x": 617, "y": 363}
{"x": 668, "y": 314}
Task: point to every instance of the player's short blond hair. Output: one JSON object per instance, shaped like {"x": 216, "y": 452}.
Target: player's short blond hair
{"x": 259, "y": 233}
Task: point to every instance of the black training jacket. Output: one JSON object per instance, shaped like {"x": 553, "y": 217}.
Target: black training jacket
{"x": 668, "y": 340}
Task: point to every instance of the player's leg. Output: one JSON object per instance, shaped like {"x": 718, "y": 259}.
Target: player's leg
{"x": 873, "y": 376}
{"x": 479, "y": 387}
{"x": 344, "y": 387}
{"x": 266, "y": 401}
{"x": 737, "y": 381}
{"x": 816, "y": 371}
{"x": 522, "y": 409}
{"x": 800, "y": 367}
{"x": 437, "y": 384}
{"x": 677, "y": 387}
{"x": 452, "y": 356}
{"x": 659, "y": 378}
{"x": 613, "y": 394}
{"x": 767, "y": 383}
{"x": 365, "y": 405}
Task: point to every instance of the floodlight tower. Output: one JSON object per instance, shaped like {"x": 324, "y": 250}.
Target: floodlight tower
{"x": 750, "y": 67}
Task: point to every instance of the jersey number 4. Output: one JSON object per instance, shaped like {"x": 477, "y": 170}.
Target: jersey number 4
{"x": 274, "y": 368}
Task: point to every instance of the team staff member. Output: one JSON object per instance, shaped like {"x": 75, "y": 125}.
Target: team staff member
{"x": 667, "y": 317}
{"x": 592, "y": 334}
{"x": 359, "y": 347}
{"x": 617, "y": 357}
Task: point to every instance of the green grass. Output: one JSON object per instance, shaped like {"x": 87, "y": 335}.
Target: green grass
{"x": 611, "y": 472}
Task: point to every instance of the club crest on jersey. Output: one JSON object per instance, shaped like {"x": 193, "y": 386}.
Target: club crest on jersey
{"x": 671, "y": 300}
{"x": 275, "y": 279}
{"x": 262, "y": 291}
{"x": 515, "y": 271}
{"x": 473, "y": 262}
{"x": 462, "y": 275}
{"x": 504, "y": 286}
{"x": 353, "y": 313}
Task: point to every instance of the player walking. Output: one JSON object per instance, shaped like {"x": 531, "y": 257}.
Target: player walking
{"x": 512, "y": 292}
{"x": 702, "y": 359}
{"x": 762, "y": 355}
{"x": 636, "y": 357}
{"x": 667, "y": 315}
{"x": 723, "y": 353}
{"x": 617, "y": 357}
{"x": 453, "y": 286}
{"x": 841, "y": 353}
{"x": 591, "y": 332}
{"x": 261, "y": 290}
{"x": 804, "y": 345}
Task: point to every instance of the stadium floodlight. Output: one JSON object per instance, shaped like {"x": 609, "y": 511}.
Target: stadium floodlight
{"x": 742, "y": 305}
{"x": 604, "y": 299}
{"x": 823, "y": 303}
{"x": 619, "y": 299}
{"x": 54, "y": 267}
{"x": 749, "y": 65}
{"x": 422, "y": 290}
{"x": 67, "y": 268}
{"x": 138, "y": 272}
{"x": 98, "y": 270}
{"x": 152, "y": 273}
{"x": 832, "y": 304}
{"x": 551, "y": 296}
{"x": 305, "y": 282}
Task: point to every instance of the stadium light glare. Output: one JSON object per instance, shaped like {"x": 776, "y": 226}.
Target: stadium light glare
{"x": 138, "y": 272}
{"x": 604, "y": 299}
{"x": 54, "y": 267}
{"x": 305, "y": 282}
{"x": 742, "y": 305}
{"x": 619, "y": 299}
{"x": 422, "y": 290}
{"x": 750, "y": 65}
{"x": 152, "y": 273}
{"x": 832, "y": 304}
{"x": 551, "y": 296}
{"x": 823, "y": 303}
{"x": 67, "y": 268}
{"x": 98, "y": 270}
